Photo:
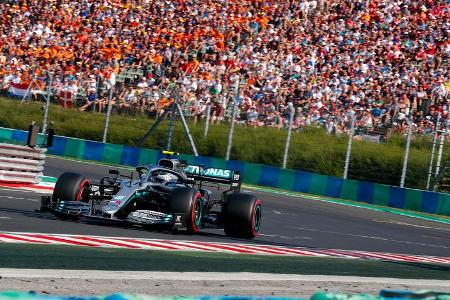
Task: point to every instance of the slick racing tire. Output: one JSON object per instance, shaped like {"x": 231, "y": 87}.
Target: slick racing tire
{"x": 241, "y": 216}
{"x": 71, "y": 187}
{"x": 187, "y": 202}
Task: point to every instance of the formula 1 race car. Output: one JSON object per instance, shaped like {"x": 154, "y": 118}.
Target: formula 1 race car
{"x": 171, "y": 193}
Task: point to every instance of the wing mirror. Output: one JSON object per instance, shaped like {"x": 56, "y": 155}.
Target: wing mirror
{"x": 189, "y": 181}
{"x": 182, "y": 164}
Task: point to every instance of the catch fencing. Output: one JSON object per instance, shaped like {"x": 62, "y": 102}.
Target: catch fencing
{"x": 394, "y": 152}
{"x": 376, "y": 156}
{"x": 21, "y": 164}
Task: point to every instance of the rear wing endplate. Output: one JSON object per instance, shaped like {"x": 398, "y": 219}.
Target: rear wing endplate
{"x": 214, "y": 175}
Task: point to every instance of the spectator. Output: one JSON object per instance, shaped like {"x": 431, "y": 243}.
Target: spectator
{"x": 388, "y": 60}
{"x": 90, "y": 100}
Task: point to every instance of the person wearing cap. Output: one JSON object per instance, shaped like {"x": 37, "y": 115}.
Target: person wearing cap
{"x": 376, "y": 46}
{"x": 90, "y": 100}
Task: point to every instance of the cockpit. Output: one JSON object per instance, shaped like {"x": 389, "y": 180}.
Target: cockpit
{"x": 166, "y": 172}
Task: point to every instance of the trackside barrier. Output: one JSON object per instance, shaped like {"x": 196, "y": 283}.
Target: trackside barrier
{"x": 21, "y": 164}
{"x": 384, "y": 295}
{"x": 291, "y": 180}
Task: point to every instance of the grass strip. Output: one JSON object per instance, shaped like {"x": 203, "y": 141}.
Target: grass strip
{"x": 84, "y": 258}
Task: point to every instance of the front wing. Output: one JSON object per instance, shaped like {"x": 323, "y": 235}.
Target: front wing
{"x": 139, "y": 217}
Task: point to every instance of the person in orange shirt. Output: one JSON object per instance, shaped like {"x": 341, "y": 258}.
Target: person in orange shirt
{"x": 194, "y": 66}
{"x": 162, "y": 104}
{"x": 157, "y": 59}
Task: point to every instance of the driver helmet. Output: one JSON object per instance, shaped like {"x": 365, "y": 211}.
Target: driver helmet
{"x": 143, "y": 177}
{"x": 165, "y": 178}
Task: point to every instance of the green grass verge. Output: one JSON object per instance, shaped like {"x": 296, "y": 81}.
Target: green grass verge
{"x": 84, "y": 258}
{"x": 311, "y": 149}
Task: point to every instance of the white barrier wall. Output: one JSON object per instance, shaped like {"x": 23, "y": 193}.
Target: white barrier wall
{"x": 21, "y": 164}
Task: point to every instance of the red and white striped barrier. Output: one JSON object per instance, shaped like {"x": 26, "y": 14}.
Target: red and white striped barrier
{"x": 21, "y": 164}
{"x": 181, "y": 245}
{"x": 42, "y": 187}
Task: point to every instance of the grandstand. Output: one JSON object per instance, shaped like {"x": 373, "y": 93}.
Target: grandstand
{"x": 381, "y": 61}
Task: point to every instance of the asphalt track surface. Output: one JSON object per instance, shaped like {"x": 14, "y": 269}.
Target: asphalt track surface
{"x": 287, "y": 221}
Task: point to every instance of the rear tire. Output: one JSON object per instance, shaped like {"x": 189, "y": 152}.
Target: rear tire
{"x": 71, "y": 187}
{"x": 188, "y": 202}
{"x": 241, "y": 216}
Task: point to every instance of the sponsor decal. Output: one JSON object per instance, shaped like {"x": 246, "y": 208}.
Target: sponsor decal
{"x": 148, "y": 214}
{"x": 179, "y": 219}
{"x": 211, "y": 172}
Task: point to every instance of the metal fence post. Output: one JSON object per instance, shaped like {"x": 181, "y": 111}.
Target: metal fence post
{"x": 441, "y": 147}
{"x": 233, "y": 118}
{"x": 171, "y": 124}
{"x": 208, "y": 116}
{"x": 433, "y": 148}
{"x": 349, "y": 147}
{"x": 108, "y": 114}
{"x": 47, "y": 103}
{"x": 186, "y": 130}
{"x": 288, "y": 139}
{"x": 405, "y": 158}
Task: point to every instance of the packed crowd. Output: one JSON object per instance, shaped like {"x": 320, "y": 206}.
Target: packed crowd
{"x": 322, "y": 62}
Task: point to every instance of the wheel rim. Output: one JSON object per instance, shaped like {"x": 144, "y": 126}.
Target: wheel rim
{"x": 197, "y": 213}
{"x": 257, "y": 218}
{"x": 83, "y": 194}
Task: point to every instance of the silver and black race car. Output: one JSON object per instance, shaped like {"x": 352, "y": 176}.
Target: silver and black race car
{"x": 171, "y": 193}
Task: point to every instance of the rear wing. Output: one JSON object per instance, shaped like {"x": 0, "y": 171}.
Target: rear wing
{"x": 214, "y": 175}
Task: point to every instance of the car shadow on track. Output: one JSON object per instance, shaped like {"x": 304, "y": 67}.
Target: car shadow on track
{"x": 28, "y": 213}
{"x": 179, "y": 234}
{"x": 42, "y": 215}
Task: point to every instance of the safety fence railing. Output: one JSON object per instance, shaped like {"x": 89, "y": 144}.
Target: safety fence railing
{"x": 21, "y": 164}
{"x": 396, "y": 150}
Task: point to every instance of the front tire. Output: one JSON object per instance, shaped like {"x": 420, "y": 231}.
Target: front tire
{"x": 188, "y": 202}
{"x": 242, "y": 216}
{"x": 71, "y": 187}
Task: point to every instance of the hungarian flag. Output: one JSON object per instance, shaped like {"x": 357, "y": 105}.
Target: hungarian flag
{"x": 18, "y": 90}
